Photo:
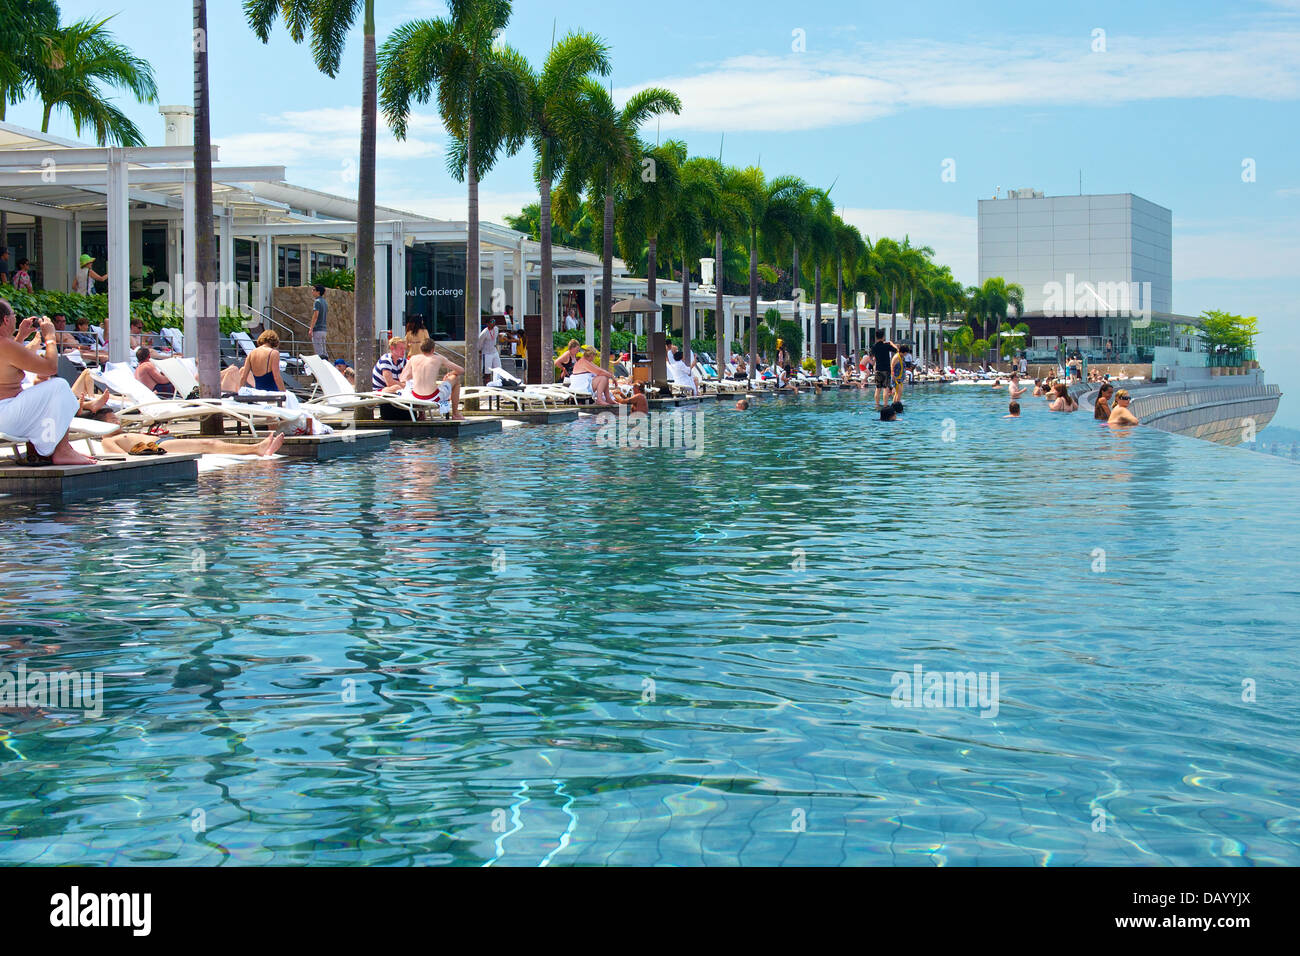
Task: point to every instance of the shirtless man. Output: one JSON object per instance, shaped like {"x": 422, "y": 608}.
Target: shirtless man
{"x": 1120, "y": 414}
{"x": 636, "y": 402}
{"x": 40, "y": 415}
{"x": 434, "y": 378}
{"x": 1014, "y": 390}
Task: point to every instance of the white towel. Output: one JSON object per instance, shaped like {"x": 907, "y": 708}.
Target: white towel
{"x": 40, "y": 414}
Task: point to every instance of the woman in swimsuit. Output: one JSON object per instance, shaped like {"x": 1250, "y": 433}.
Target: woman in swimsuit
{"x": 40, "y": 415}
{"x": 267, "y": 358}
{"x": 567, "y": 359}
{"x": 600, "y": 379}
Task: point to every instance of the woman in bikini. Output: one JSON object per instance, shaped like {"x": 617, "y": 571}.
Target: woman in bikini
{"x": 39, "y": 415}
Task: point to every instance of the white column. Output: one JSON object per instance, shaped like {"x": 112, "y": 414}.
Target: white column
{"x": 383, "y": 323}
{"x": 589, "y": 312}
{"x": 265, "y": 274}
{"x": 398, "y": 288}
{"x": 119, "y": 258}
{"x": 498, "y": 280}
{"x": 74, "y": 248}
{"x": 227, "y": 257}
{"x": 726, "y": 319}
{"x": 190, "y": 262}
{"x": 304, "y": 264}
{"x": 519, "y": 278}
{"x": 174, "y": 261}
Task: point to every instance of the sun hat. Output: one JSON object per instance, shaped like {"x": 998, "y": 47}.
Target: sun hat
{"x": 86, "y": 258}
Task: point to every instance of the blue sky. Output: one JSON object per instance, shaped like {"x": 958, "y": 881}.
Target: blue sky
{"x": 879, "y": 97}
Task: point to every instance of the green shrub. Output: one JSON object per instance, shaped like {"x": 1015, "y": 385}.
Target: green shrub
{"x": 154, "y": 314}
{"x": 344, "y": 279}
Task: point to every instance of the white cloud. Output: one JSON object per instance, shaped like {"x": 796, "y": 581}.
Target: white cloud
{"x": 813, "y": 90}
{"x": 953, "y": 238}
{"x": 325, "y": 141}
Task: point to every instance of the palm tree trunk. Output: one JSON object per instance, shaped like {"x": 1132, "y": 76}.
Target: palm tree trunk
{"x": 547, "y": 358}
{"x": 753, "y": 301}
{"x": 45, "y": 118}
{"x": 686, "y": 309}
{"x": 893, "y": 315}
{"x": 839, "y": 305}
{"x": 925, "y": 356}
{"x": 817, "y": 320}
{"x": 364, "y": 316}
{"x": 607, "y": 277}
{"x": 652, "y": 289}
{"x": 208, "y": 347}
{"x": 718, "y": 324}
{"x": 473, "y": 278}
{"x": 796, "y": 294}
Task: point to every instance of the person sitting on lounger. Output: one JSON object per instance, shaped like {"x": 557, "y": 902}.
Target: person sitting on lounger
{"x": 148, "y": 374}
{"x": 600, "y": 379}
{"x": 636, "y": 402}
{"x": 387, "y": 373}
{"x": 434, "y": 378}
{"x": 261, "y": 370}
{"x": 86, "y": 341}
{"x": 93, "y": 403}
{"x": 566, "y": 360}
{"x": 39, "y": 415}
{"x": 1120, "y": 414}
{"x": 140, "y": 445}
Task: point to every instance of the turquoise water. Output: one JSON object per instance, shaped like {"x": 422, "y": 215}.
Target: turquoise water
{"x": 528, "y": 649}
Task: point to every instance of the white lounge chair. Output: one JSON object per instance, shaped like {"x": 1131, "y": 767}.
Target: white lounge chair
{"x": 142, "y": 403}
{"x": 338, "y": 392}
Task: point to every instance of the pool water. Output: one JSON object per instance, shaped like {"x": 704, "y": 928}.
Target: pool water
{"x": 529, "y": 649}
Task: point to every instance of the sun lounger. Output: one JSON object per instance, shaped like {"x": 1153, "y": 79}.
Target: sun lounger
{"x": 142, "y": 403}
{"x": 337, "y": 392}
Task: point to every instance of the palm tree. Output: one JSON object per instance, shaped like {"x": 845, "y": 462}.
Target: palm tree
{"x": 767, "y": 209}
{"x": 820, "y": 224}
{"x": 330, "y": 22}
{"x": 687, "y": 217}
{"x": 849, "y": 249}
{"x": 605, "y": 154}
{"x": 889, "y": 263}
{"x": 915, "y": 263}
{"x": 482, "y": 90}
{"x": 24, "y": 24}
{"x": 645, "y": 210}
{"x": 77, "y": 62}
{"x": 27, "y": 26}
{"x": 208, "y": 321}
{"x": 555, "y": 107}
{"x": 992, "y": 300}
{"x": 722, "y": 193}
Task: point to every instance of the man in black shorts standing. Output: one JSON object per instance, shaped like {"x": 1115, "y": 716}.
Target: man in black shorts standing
{"x": 882, "y": 353}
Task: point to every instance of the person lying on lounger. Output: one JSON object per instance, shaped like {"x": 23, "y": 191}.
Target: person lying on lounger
{"x": 93, "y": 403}
{"x": 434, "y": 378}
{"x": 150, "y": 375}
{"x": 143, "y": 445}
{"x": 39, "y": 415}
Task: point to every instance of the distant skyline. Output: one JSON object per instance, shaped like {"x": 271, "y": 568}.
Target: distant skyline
{"x": 1191, "y": 105}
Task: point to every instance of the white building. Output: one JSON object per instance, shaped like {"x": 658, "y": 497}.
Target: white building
{"x": 1047, "y": 244}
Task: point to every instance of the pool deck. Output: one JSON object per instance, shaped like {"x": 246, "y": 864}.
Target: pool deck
{"x": 327, "y": 447}
{"x": 111, "y": 476}
{"x": 548, "y": 416}
{"x": 441, "y": 428}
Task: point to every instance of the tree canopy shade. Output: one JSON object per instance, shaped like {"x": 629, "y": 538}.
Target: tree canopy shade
{"x": 25, "y": 25}
{"x": 483, "y": 93}
{"x": 329, "y": 23}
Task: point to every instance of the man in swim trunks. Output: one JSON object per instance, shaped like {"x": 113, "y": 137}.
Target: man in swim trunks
{"x": 434, "y": 379}
{"x": 882, "y": 352}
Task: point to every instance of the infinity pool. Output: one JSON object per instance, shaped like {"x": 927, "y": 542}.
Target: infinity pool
{"x": 533, "y": 650}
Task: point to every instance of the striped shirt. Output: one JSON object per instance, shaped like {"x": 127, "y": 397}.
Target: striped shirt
{"x": 386, "y": 364}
